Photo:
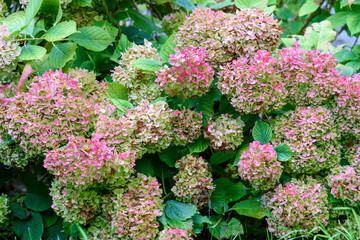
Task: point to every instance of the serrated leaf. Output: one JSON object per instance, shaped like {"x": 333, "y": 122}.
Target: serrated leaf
{"x": 353, "y": 21}
{"x": 37, "y": 203}
{"x": 250, "y": 208}
{"x": 92, "y": 38}
{"x": 62, "y": 53}
{"x": 235, "y": 227}
{"x": 121, "y": 104}
{"x": 284, "y": 152}
{"x": 200, "y": 145}
{"x": 142, "y": 22}
{"x": 219, "y": 202}
{"x": 308, "y": 7}
{"x": 17, "y": 210}
{"x": 146, "y": 64}
{"x": 30, "y": 229}
{"x": 262, "y": 132}
{"x": 117, "y": 91}
{"x": 179, "y": 211}
{"x": 167, "y": 48}
{"x": 60, "y": 31}
{"x": 31, "y": 52}
{"x": 220, "y": 157}
{"x": 220, "y": 231}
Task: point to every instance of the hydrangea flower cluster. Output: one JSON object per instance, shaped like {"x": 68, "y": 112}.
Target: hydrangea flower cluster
{"x": 3, "y": 9}
{"x": 193, "y": 183}
{"x": 174, "y": 234}
{"x": 9, "y": 52}
{"x": 226, "y": 37}
{"x": 11, "y": 154}
{"x": 153, "y": 122}
{"x": 353, "y": 155}
{"x": 4, "y": 208}
{"x": 136, "y": 210}
{"x": 56, "y": 107}
{"x": 253, "y": 86}
{"x": 138, "y": 82}
{"x": 173, "y": 21}
{"x": 224, "y": 133}
{"x": 310, "y": 76}
{"x": 186, "y": 126}
{"x": 83, "y": 16}
{"x": 297, "y": 206}
{"x": 346, "y": 107}
{"x": 345, "y": 183}
{"x": 86, "y": 162}
{"x": 260, "y": 167}
{"x": 311, "y": 135}
{"x": 189, "y": 76}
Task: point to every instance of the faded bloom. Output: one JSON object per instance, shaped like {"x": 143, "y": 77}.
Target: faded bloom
{"x": 297, "y": 207}
{"x": 193, "y": 183}
{"x": 253, "y": 86}
{"x": 186, "y": 126}
{"x": 189, "y": 76}
{"x": 173, "y": 21}
{"x": 174, "y": 234}
{"x": 225, "y": 133}
{"x": 260, "y": 167}
{"x": 3, "y": 9}
{"x": 312, "y": 137}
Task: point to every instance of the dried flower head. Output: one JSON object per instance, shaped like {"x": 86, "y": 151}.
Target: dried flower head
{"x": 186, "y": 126}
{"x": 174, "y": 234}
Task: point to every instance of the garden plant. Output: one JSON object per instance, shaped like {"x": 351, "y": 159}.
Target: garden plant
{"x": 179, "y": 119}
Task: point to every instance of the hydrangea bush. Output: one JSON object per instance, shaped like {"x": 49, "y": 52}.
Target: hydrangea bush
{"x": 165, "y": 120}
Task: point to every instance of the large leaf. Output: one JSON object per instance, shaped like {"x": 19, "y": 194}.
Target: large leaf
{"x": 233, "y": 191}
{"x": 219, "y": 202}
{"x": 220, "y": 157}
{"x": 187, "y": 225}
{"x": 146, "y": 64}
{"x": 353, "y": 21}
{"x": 250, "y": 208}
{"x": 262, "y": 132}
{"x": 117, "y": 91}
{"x": 220, "y": 230}
{"x": 179, "y": 211}
{"x": 170, "y": 156}
{"x": 200, "y": 145}
{"x": 320, "y": 35}
{"x": 62, "y": 53}
{"x": 245, "y": 4}
{"x": 15, "y": 21}
{"x": 52, "y": 7}
{"x": 204, "y": 104}
{"x": 55, "y": 232}
{"x": 37, "y": 203}
{"x": 167, "y": 48}
{"x": 31, "y": 10}
{"x": 308, "y": 7}
{"x": 284, "y": 152}
{"x": 60, "y": 31}
{"x": 82, "y": 3}
{"x": 31, "y": 52}
{"x": 121, "y": 104}
{"x": 338, "y": 19}
{"x": 142, "y": 22}
{"x": 30, "y": 229}
{"x": 187, "y": 4}
{"x": 17, "y": 210}
{"x": 93, "y": 38}
{"x": 123, "y": 45}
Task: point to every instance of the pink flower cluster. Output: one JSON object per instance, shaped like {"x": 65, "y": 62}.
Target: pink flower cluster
{"x": 345, "y": 183}
{"x": 193, "y": 182}
{"x": 9, "y": 51}
{"x": 346, "y": 107}
{"x": 189, "y": 76}
{"x": 56, "y": 107}
{"x": 174, "y": 234}
{"x": 310, "y": 77}
{"x": 253, "y": 86}
{"x": 136, "y": 210}
{"x": 311, "y": 135}
{"x": 296, "y": 207}
{"x": 353, "y": 155}
{"x": 224, "y": 133}
{"x": 260, "y": 167}
{"x": 153, "y": 124}
{"x": 139, "y": 83}
{"x": 86, "y": 162}
{"x": 226, "y": 37}
{"x": 186, "y": 126}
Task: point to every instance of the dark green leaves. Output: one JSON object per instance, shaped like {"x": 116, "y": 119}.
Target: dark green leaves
{"x": 179, "y": 211}
{"x": 250, "y": 208}
{"x": 37, "y": 203}
{"x": 222, "y": 230}
{"x": 146, "y": 64}
{"x": 31, "y": 52}
{"x": 167, "y": 48}
{"x": 30, "y": 229}
{"x": 200, "y": 145}
{"x": 262, "y": 132}
{"x": 93, "y": 38}
{"x": 142, "y": 22}
{"x": 220, "y": 157}
{"x": 284, "y": 152}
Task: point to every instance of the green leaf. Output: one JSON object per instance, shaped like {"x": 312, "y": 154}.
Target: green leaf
{"x": 345, "y": 55}
{"x": 199, "y": 221}
{"x": 248, "y": 4}
{"x": 222, "y": 4}
{"x": 30, "y": 229}
{"x": 221, "y": 230}
{"x": 220, "y": 157}
{"x": 31, "y": 10}
{"x": 121, "y": 104}
{"x": 82, "y": 3}
{"x": 284, "y": 152}
{"x": 308, "y": 7}
{"x": 117, "y": 91}
{"x": 93, "y": 38}
{"x": 243, "y": 148}
{"x": 353, "y": 21}
{"x": 233, "y": 191}
{"x": 262, "y": 132}
{"x": 55, "y": 232}
{"x": 17, "y": 210}
{"x": 187, "y": 225}
{"x": 145, "y": 166}
{"x": 142, "y": 22}
{"x": 200, "y": 145}
{"x": 31, "y": 52}
{"x": 250, "y": 208}
{"x": 123, "y": 45}
{"x": 219, "y": 202}
{"x": 52, "y": 7}
{"x": 179, "y": 211}
{"x": 81, "y": 231}
{"x": 49, "y": 218}
{"x": 62, "y": 53}
{"x": 15, "y": 21}
{"x": 146, "y": 64}
{"x": 170, "y": 156}
{"x": 204, "y": 104}
{"x": 167, "y": 48}
{"x": 320, "y": 35}
{"x": 37, "y": 203}
{"x": 60, "y": 31}
{"x": 189, "y": 6}
{"x": 345, "y": 70}
{"x": 338, "y": 19}
{"x": 108, "y": 27}
{"x": 235, "y": 227}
